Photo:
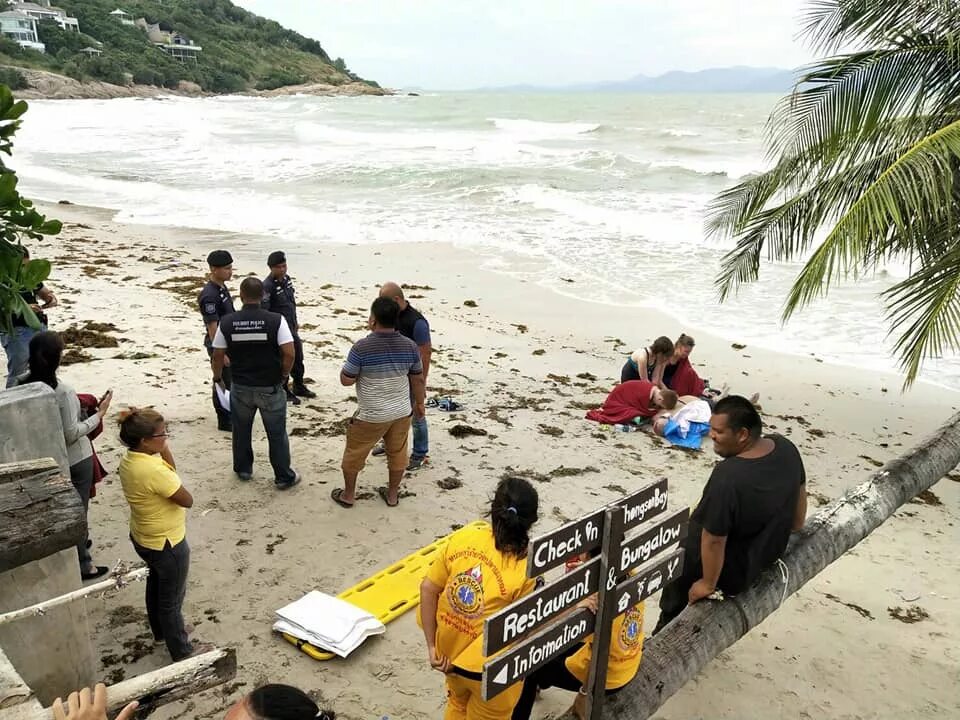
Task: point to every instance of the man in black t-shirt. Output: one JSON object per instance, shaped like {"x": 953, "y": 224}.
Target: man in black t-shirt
{"x": 753, "y": 500}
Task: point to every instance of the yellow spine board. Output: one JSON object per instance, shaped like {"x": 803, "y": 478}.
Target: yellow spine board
{"x": 390, "y": 593}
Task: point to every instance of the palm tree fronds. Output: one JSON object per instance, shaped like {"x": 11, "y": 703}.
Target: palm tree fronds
{"x": 926, "y": 306}
{"x": 910, "y": 203}
{"x": 830, "y": 24}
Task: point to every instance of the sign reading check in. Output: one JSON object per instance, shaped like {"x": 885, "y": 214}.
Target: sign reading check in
{"x": 541, "y": 626}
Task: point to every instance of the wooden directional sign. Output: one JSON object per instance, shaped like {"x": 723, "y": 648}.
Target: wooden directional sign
{"x": 648, "y": 580}
{"x": 529, "y": 656}
{"x": 527, "y": 614}
{"x": 638, "y": 550}
{"x": 583, "y": 535}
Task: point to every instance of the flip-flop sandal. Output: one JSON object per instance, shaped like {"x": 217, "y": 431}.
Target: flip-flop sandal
{"x": 335, "y": 496}
{"x": 98, "y": 571}
{"x": 383, "y": 493}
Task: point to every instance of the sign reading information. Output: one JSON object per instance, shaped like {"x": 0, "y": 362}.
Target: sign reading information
{"x": 535, "y": 629}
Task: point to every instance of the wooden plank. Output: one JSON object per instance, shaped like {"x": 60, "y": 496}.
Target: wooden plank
{"x": 119, "y": 579}
{"x": 40, "y": 514}
{"x": 13, "y": 690}
{"x": 178, "y": 681}
{"x": 606, "y": 612}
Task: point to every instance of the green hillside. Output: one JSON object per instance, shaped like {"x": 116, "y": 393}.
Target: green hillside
{"x": 240, "y": 50}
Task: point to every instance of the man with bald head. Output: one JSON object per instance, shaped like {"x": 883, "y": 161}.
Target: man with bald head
{"x": 413, "y": 325}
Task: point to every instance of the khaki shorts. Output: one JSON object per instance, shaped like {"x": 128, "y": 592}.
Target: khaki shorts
{"x": 362, "y": 436}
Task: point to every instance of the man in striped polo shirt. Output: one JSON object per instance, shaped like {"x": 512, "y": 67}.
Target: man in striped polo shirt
{"x": 387, "y": 370}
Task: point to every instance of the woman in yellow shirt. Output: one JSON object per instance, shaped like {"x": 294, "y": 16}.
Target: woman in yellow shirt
{"x": 479, "y": 572}
{"x": 569, "y": 671}
{"x": 158, "y": 523}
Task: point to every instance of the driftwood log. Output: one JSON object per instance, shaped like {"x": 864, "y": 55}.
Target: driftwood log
{"x": 174, "y": 682}
{"x": 40, "y": 512}
{"x": 701, "y": 632}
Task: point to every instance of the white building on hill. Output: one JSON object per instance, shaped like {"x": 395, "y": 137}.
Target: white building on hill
{"x": 21, "y": 28}
{"x": 123, "y": 17}
{"x": 43, "y": 10}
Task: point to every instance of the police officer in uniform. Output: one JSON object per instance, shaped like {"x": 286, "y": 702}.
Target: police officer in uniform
{"x": 279, "y": 297}
{"x": 215, "y": 303}
{"x": 260, "y": 346}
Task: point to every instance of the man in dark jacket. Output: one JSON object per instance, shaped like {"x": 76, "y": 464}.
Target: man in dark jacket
{"x": 413, "y": 325}
{"x": 260, "y": 346}
{"x": 279, "y": 297}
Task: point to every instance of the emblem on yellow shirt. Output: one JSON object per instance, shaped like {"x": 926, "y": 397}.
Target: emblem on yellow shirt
{"x": 466, "y": 593}
{"x": 631, "y": 632}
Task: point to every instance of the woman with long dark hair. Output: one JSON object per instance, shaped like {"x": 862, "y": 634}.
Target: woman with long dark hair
{"x": 479, "y": 572}
{"x": 46, "y": 349}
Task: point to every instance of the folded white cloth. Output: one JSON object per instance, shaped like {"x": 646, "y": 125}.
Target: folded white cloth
{"x": 327, "y": 622}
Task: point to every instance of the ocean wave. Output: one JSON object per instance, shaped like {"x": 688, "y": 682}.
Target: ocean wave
{"x": 677, "y": 133}
{"x": 540, "y": 130}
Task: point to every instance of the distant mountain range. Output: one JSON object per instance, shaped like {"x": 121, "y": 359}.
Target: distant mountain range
{"x": 740, "y": 79}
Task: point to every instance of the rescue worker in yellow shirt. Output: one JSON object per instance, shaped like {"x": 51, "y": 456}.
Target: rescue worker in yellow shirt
{"x": 569, "y": 671}
{"x": 479, "y": 572}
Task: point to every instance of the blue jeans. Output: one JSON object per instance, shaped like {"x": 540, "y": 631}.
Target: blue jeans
{"x": 420, "y": 437}
{"x": 272, "y": 404}
{"x": 17, "y": 347}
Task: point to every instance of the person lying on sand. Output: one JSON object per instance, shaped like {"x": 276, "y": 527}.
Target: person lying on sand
{"x": 631, "y": 400}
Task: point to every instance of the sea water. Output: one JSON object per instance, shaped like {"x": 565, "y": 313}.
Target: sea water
{"x": 599, "y": 196}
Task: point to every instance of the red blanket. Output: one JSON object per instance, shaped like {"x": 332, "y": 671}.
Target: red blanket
{"x": 685, "y": 380}
{"x": 88, "y": 403}
{"x": 625, "y": 402}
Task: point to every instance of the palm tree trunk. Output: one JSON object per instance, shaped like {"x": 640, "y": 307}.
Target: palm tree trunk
{"x": 700, "y": 633}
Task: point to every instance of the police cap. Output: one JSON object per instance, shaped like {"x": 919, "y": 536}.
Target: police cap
{"x": 219, "y": 258}
{"x": 276, "y": 258}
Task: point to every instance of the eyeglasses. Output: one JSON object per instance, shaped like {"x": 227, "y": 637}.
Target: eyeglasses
{"x": 160, "y": 435}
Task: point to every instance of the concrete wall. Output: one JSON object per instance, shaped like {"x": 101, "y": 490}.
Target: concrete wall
{"x": 30, "y": 426}
{"x": 52, "y": 652}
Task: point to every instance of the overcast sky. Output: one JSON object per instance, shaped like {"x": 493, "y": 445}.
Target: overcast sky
{"x": 457, "y": 44}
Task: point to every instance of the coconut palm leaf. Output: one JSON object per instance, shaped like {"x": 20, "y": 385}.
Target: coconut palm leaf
{"x": 926, "y": 306}
{"x": 857, "y": 95}
{"x": 830, "y": 24}
{"x": 914, "y": 199}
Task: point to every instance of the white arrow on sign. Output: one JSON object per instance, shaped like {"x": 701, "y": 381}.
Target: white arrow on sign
{"x": 502, "y": 676}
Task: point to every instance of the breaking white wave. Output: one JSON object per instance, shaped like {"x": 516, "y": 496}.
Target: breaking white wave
{"x": 608, "y": 189}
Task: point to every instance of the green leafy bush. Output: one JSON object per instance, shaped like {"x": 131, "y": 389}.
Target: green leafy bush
{"x": 13, "y": 78}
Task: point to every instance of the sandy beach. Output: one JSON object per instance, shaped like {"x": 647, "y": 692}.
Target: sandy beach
{"x": 525, "y": 362}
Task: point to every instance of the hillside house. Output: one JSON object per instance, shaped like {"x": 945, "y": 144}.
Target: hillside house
{"x": 123, "y": 17}
{"x": 92, "y": 52}
{"x": 176, "y": 45}
{"x": 21, "y": 28}
{"x": 181, "y": 51}
{"x": 43, "y": 10}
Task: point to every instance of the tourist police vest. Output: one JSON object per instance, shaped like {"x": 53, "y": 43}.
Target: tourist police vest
{"x": 407, "y": 319}
{"x": 251, "y": 336}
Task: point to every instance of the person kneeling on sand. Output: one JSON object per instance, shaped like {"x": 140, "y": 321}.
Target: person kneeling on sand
{"x": 569, "y": 670}
{"x": 753, "y": 500}
{"x": 648, "y": 363}
{"x": 388, "y": 372}
{"x": 632, "y": 401}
